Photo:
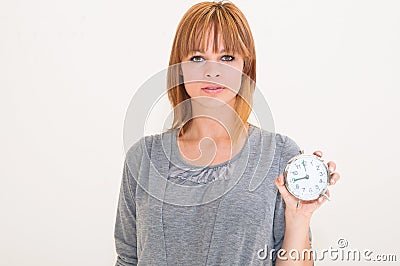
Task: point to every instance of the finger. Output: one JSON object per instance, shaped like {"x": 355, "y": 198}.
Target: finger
{"x": 334, "y": 178}
{"x": 318, "y": 153}
{"x": 279, "y": 181}
{"x": 331, "y": 166}
{"x": 323, "y": 199}
{"x": 280, "y": 184}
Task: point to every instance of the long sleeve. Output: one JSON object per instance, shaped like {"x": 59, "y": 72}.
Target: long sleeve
{"x": 125, "y": 225}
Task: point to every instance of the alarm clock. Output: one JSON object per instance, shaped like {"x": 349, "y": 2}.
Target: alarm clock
{"x": 306, "y": 177}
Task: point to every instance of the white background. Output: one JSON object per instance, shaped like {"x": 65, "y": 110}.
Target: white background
{"x": 68, "y": 70}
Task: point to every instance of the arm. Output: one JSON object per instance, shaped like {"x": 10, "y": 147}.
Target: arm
{"x": 125, "y": 224}
{"x": 297, "y": 234}
{"x": 297, "y": 219}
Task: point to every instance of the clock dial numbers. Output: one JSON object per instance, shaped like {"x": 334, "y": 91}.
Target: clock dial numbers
{"x": 306, "y": 177}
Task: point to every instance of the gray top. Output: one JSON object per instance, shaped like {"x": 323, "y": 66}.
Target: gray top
{"x": 173, "y": 213}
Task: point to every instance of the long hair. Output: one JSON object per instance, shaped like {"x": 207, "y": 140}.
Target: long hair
{"x": 225, "y": 19}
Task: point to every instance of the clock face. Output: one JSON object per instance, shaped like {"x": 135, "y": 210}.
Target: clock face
{"x": 306, "y": 177}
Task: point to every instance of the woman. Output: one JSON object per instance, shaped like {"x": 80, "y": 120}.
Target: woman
{"x": 187, "y": 195}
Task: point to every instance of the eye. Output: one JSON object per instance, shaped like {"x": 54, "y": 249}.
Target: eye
{"x": 227, "y": 58}
{"x": 197, "y": 58}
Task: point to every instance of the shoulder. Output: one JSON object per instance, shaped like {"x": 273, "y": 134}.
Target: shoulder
{"x": 146, "y": 144}
{"x": 288, "y": 144}
{"x": 280, "y": 139}
{"x": 286, "y": 147}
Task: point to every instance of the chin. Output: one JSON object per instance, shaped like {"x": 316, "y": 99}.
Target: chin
{"x": 213, "y": 101}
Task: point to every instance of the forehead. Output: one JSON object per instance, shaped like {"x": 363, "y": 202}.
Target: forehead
{"x": 210, "y": 40}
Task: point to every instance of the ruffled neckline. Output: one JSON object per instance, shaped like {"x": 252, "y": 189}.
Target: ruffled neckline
{"x": 185, "y": 171}
{"x": 201, "y": 176}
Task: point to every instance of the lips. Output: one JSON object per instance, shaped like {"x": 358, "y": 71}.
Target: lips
{"x": 212, "y": 90}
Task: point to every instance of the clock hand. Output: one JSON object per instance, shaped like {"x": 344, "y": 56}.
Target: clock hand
{"x": 304, "y": 165}
{"x": 297, "y": 179}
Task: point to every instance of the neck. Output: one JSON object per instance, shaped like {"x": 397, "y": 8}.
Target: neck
{"x": 211, "y": 119}
{"x": 202, "y": 127}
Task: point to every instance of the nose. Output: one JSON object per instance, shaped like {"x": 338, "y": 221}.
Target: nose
{"x": 212, "y": 70}
{"x": 209, "y": 75}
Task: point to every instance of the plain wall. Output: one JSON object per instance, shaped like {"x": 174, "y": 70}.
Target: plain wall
{"x": 329, "y": 71}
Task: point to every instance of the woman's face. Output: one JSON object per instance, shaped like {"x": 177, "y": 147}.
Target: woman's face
{"x": 217, "y": 76}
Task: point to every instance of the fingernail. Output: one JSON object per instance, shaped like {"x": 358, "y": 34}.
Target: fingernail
{"x": 332, "y": 181}
{"x": 331, "y": 169}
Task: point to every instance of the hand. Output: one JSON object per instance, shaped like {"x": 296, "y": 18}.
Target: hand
{"x": 305, "y": 208}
